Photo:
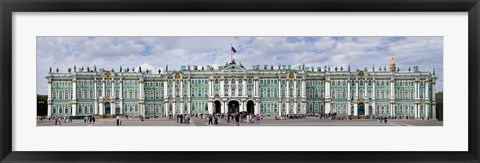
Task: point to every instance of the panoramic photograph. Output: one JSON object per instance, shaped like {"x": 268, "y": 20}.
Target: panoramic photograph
{"x": 239, "y": 81}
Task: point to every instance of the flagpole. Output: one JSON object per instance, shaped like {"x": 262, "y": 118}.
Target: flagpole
{"x": 231, "y": 46}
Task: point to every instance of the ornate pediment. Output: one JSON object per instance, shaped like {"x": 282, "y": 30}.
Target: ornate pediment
{"x": 233, "y": 67}
{"x": 361, "y": 73}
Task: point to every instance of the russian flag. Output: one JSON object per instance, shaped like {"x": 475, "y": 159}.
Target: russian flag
{"x": 233, "y": 50}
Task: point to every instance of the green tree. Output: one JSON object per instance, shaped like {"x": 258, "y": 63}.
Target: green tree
{"x": 42, "y": 105}
{"x": 439, "y": 106}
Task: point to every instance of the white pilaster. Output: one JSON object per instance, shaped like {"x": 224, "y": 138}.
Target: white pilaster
{"x": 49, "y": 99}
{"x": 288, "y": 107}
{"x": 182, "y": 107}
{"x": 236, "y": 86}
{"x": 210, "y": 94}
{"x": 165, "y": 108}
{"x": 244, "y": 90}
{"x": 304, "y": 88}
{"x": 210, "y": 108}
{"x": 349, "y": 98}
{"x": 222, "y": 87}
{"x": 165, "y": 90}
{"x": 74, "y": 99}
{"x": 295, "y": 90}
{"x": 294, "y": 108}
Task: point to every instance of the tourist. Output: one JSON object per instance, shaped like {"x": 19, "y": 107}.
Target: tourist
{"x": 257, "y": 118}
{"x": 237, "y": 119}
{"x": 210, "y": 118}
{"x": 216, "y": 120}
{"x": 118, "y": 120}
{"x": 93, "y": 120}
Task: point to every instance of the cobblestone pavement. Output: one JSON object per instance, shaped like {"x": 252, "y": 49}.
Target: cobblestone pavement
{"x": 265, "y": 122}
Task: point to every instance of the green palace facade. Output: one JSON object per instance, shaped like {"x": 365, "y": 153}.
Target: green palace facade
{"x": 266, "y": 90}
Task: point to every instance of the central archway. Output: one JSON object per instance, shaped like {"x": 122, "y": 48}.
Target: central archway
{"x": 250, "y": 107}
{"x": 233, "y": 107}
{"x": 107, "y": 108}
{"x": 361, "y": 108}
{"x": 217, "y": 106}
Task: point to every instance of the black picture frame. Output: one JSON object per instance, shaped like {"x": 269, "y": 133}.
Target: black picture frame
{"x": 7, "y": 7}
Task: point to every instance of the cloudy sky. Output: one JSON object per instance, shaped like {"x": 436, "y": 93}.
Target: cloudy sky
{"x": 156, "y": 52}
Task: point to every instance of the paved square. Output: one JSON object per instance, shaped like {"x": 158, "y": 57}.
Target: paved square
{"x": 265, "y": 122}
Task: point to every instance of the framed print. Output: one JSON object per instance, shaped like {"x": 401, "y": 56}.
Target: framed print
{"x": 239, "y": 81}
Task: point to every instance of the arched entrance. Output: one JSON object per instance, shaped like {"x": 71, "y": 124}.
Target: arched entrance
{"x": 218, "y": 106}
{"x": 361, "y": 108}
{"x": 233, "y": 107}
{"x": 370, "y": 110}
{"x": 107, "y": 108}
{"x": 250, "y": 107}
{"x": 117, "y": 109}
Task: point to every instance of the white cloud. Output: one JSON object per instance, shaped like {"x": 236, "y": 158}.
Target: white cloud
{"x": 156, "y": 52}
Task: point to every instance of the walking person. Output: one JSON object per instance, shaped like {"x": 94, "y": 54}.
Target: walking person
{"x": 257, "y": 118}
{"x": 93, "y": 120}
{"x": 237, "y": 119}
{"x": 210, "y": 119}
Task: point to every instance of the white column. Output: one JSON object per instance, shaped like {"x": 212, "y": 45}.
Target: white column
{"x": 210, "y": 94}
{"x": 257, "y": 109}
{"x": 365, "y": 91}
{"x": 165, "y": 89}
{"x": 182, "y": 107}
{"x": 222, "y": 87}
{"x": 229, "y": 82}
{"x": 120, "y": 94}
{"x": 113, "y": 90}
{"x": 367, "y": 107}
{"x": 174, "y": 108}
{"x": 287, "y": 93}
{"x": 74, "y": 99}
{"x": 236, "y": 86}
{"x": 356, "y": 90}
{"x": 304, "y": 88}
{"x": 391, "y": 110}
{"x": 279, "y": 89}
{"x": 142, "y": 97}
{"x": 434, "y": 108}
{"x": 427, "y": 104}
{"x": 173, "y": 89}
{"x": 165, "y": 108}
{"x": 181, "y": 90}
{"x": 374, "y": 94}
{"x": 189, "y": 107}
{"x": 49, "y": 99}
{"x": 392, "y": 90}
{"x": 288, "y": 107}
{"x": 256, "y": 87}
{"x": 101, "y": 108}
{"x": 224, "y": 107}
{"x": 349, "y": 98}
{"x": 189, "y": 93}
{"x": 355, "y": 108}
{"x": 279, "y": 105}
{"x": 244, "y": 90}
{"x": 103, "y": 89}
{"x": 355, "y": 105}
{"x": 295, "y": 90}
{"x": 210, "y": 107}
{"x": 416, "y": 112}
{"x": 294, "y": 108}
{"x": 327, "y": 96}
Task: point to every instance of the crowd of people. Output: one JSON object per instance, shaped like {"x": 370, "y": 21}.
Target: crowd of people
{"x": 213, "y": 119}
